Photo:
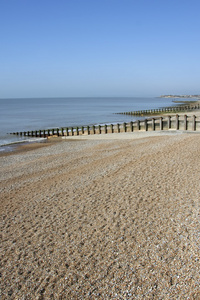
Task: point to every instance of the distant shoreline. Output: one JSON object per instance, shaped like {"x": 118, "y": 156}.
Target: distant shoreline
{"x": 181, "y": 96}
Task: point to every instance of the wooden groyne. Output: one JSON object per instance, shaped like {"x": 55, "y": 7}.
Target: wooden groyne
{"x": 165, "y": 110}
{"x": 173, "y": 122}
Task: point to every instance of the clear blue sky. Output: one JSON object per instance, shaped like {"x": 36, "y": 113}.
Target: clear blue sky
{"x": 69, "y": 48}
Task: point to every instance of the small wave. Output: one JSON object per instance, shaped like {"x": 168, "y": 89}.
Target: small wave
{"x": 5, "y": 145}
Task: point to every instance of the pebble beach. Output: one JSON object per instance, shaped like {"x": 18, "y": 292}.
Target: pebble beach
{"x": 103, "y": 218}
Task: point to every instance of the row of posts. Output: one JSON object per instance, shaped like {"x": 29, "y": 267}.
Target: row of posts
{"x": 137, "y": 125}
{"x": 162, "y": 110}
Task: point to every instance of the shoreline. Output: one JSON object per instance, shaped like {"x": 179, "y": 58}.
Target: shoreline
{"x": 22, "y": 147}
{"x": 26, "y": 147}
{"x": 8, "y": 147}
{"x": 43, "y": 142}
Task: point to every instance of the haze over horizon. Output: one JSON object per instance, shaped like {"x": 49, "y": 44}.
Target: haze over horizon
{"x": 99, "y": 48}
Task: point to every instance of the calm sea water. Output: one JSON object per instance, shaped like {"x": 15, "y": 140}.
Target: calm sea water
{"x": 33, "y": 114}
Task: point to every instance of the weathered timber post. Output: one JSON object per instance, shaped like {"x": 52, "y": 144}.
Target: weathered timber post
{"x": 124, "y": 126}
{"x": 111, "y": 128}
{"x": 169, "y": 122}
{"x": 93, "y": 129}
{"x": 99, "y": 129}
{"x": 53, "y": 131}
{"x": 72, "y": 131}
{"x": 67, "y": 131}
{"x": 106, "y": 131}
{"x": 82, "y": 129}
{"x": 161, "y": 123}
{"x": 118, "y": 128}
{"x": 62, "y": 131}
{"x": 177, "y": 122}
{"x": 32, "y": 133}
{"x": 44, "y": 133}
{"x": 131, "y": 126}
{"x": 138, "y": 124}
{"x": 35, "y": 133}
{"x": 153, "y": 124}
{"x": 194, "y": 123}
{"x": 185, "y": 122}
{"x": 88, "y": 130}
{"x": 77, "y": 131}
{"x": 145, "y": 124}
{"x": 57, "y": 131}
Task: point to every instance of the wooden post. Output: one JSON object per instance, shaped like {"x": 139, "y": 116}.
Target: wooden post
{"x": 82, "y": 130}
{"x": 35, "y": 133}
{"x": 118, "y": 128}
{"x": 153, "y": 124}
{"x": 53, "y": 131}
{"x": 99, "y": 129}
{"x": 194, "y": 123}
{"x": 111, "y": 128}
{"x": 88, "y": 130}
{"x": 124, "y": 126}
{"x": 145, "y": 124}
{"x": 131, "y": 126}
{"x": 93, "y": 129}
{"x": 72, "y": 131}
{"x": 39, "y": 133}
{"x": 67, "y": 131}
{"x": 138, "y": 124}
{"x": 32, "y": 133}
{"x": 57, "y": 131}
{"x": 62, "y": 131}
{"x": 169, "y": 122}
{"x": 185, "y": 122}
{"x": 161, "y": 123}
{"x": 177, "y": 122}
{"x": 77, "y": 131}
{"x": 106, "y": 131}
{"x": 44, "y": 133}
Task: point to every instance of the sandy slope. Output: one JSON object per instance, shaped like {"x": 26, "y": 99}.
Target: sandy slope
{"x": 102, "y": 219}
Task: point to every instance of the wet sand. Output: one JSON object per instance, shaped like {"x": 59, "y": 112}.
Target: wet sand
{"x": 102, "y": 218}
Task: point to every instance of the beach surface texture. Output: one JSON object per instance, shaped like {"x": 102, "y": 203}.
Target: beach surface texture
{"x": 103, "y": 218}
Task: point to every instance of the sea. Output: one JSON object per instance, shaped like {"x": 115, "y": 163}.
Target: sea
{"x": 27, "y": 114}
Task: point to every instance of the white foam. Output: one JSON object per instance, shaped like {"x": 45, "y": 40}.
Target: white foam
{"x": 30, "y": 140}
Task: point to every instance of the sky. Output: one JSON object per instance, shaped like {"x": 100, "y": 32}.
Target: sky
{"x": 99, "y": 48}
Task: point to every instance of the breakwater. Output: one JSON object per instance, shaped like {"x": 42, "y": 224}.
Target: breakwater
{"x": 171, "y": 109}
{"x": 170, "y": 122}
